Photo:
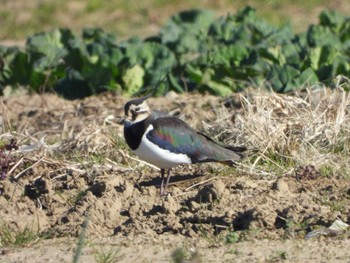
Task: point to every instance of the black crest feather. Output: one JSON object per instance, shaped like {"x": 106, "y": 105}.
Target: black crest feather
{"x": 138, "y": 101}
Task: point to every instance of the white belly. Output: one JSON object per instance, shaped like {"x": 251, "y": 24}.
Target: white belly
{"x": 157, "y": 156}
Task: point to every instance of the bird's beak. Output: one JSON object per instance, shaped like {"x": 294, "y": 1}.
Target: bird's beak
{"x": 121, "y": 120}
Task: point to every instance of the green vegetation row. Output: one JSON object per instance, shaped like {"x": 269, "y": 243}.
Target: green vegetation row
{"x": 200, "y": 52}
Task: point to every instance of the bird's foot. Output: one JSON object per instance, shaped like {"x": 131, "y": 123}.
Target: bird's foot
{"x": 164, "y": 192}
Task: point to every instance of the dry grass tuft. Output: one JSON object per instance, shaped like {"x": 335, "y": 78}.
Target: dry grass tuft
{"x": 290, "y": 131}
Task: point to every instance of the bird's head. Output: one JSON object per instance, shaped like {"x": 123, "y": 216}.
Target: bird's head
{"x": 137, "y": 110}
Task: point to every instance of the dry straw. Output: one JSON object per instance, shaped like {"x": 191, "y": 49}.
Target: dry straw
{"x": 289, "y": 131}
{"x": 286, "y": 130}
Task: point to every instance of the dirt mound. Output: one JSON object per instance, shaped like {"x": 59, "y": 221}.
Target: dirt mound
{"x": 114, "y": 206}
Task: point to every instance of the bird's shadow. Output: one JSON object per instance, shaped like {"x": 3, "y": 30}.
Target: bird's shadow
{"x": 174, "y": 179}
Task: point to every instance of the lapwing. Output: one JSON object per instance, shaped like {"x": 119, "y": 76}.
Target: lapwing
{"x": 166, "y": 141}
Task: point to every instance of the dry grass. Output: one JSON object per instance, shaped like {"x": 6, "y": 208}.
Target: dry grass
{"x": 292, "y": 131}
{"x": 287, "y": 131}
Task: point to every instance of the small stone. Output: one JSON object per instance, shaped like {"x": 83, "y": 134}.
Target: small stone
{"x": 219, "y": 188}
{"x": 280, "y": 185}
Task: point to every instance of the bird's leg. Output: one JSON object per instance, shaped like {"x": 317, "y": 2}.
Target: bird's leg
{"x": 167, "y": 181}
{"x": 162, "y": 183}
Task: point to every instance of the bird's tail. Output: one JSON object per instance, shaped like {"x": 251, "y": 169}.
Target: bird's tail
{"x": 223, "y": 153}
{"x": 237, "y": 153}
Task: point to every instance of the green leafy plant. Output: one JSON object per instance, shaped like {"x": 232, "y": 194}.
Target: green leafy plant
{"x": 201, "y": 53}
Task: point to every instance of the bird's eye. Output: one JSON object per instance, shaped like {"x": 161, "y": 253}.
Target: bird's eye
{"x": 137, "y": 109}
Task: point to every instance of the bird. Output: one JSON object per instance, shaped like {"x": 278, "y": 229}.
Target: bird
{"x": 166, "y": 141}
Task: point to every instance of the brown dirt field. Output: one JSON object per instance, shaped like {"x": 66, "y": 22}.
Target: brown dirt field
{"x": 214, "y": 213}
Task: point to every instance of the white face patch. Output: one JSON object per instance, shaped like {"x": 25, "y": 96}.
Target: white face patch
{"x": 138, "y": 113}
{"x": 157, "y": 156}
